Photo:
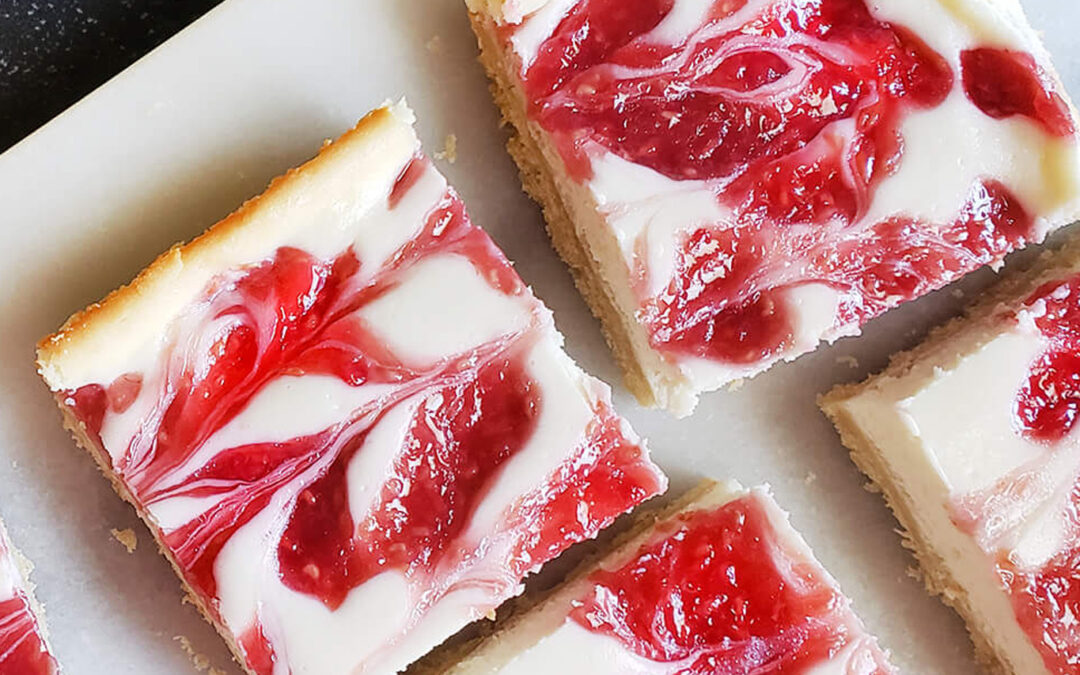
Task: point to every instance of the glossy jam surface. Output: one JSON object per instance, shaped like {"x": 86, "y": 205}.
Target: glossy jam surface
{"x": 462, "y": 419}
{"x": 1005, "y": 83}
{"x": 790, "y": 112}
{"x": 1047, "y": 601}
{"x": 716, "y": 592}
{"x": 22, "y": 648}
{"x": 1045, "y": 596}
{"x": 1048, "y": 402}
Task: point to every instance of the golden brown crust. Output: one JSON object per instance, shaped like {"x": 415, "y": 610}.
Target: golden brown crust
{"x": 154, "y": 280}
{"x": 539, "y": 183}
{"x": 938, "y": 578}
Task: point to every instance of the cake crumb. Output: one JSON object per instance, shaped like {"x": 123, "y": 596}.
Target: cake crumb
{"x": 449, "y": 151}
{"x": 810, "y": 478}
{"x": 848, "y": 360}
{"x": 188, "y": 599}
{"x": 200, "y": 661}
{"x": 957, "y": 293}
{"x": 127, "y": 538}
{"x": 871, "y": 487}
{"x": 736, "y": 385}
{"x": 435, "y": 45}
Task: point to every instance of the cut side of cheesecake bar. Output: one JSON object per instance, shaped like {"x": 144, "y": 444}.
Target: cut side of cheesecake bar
{"x": 719, "y": 583}
{"x": 349, "y": 424}
{"x": 733, "y": 181}
{"x": 971, "y": 438}
{"x": 24, "y": 648}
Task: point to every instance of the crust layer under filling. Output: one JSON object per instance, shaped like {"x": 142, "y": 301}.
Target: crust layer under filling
{"x": 721, "y": 585}
{"x": 973, "y": 438}
{"x": 753, "y": 177}
{"x": 362, "y": 438}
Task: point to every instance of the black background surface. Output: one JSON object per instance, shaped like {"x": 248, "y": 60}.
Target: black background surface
{"x": 54, "y": 53}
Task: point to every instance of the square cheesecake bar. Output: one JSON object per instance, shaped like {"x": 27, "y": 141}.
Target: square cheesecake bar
{"x": 734, "y": 181}
{"x": 349, "y": 424}
{"x": 719, "y": 583}
{"x": 971, "y": 436}
{"x": 24, "y": 649}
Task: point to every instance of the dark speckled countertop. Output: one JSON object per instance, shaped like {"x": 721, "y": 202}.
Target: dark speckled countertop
{"x": 54, "y": 53}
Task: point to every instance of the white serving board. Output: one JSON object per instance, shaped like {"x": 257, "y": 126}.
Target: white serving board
{"x": 183, "y": 136}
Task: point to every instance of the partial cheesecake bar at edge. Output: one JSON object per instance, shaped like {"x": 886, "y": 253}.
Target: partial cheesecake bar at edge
{"x": 733, "y": 182}
{"x": 971, "y": 438}
{"x": 349, "y": 424}
{"x": 719, "y": 582}
{"x": 24, "y": 648}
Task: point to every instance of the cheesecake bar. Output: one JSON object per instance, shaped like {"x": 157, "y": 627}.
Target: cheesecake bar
{"x": 349, "y": 424}
{"x": 971, "y": 438}
{"x": 733, "y": 181}
{"x": 24, "y": 649}
{"x": 720, "y": 584}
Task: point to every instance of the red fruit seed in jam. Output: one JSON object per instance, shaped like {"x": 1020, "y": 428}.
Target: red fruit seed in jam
{"x": 717, "y": 595}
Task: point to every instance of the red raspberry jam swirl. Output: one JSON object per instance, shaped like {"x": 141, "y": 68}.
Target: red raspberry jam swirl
{"x": 294, "y": 314}
{"x": 790, "y": 112}
{"x": 1046, "y": 599}
{"x": 716, "y": 593}
{"x": 22, "y": 649}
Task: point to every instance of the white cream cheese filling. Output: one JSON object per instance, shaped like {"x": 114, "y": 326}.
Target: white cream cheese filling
{"x": 943, "y": 431}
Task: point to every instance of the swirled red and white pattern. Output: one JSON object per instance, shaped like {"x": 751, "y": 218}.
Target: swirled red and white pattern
{"x": 723, "y": 587}
{"x": 23, "y": 650}
{"x": 778, "y": 172}
{"x": 350, "y": 457}
{"x": 1026, "y": 519}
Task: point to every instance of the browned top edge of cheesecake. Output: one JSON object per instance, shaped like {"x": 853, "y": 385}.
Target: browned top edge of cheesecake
{"x": 368, "y": 134}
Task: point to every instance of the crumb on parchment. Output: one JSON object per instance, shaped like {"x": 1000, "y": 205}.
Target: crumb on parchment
{"x": 449, "y": 151}
{"x": 127, "y": 538}
{"x": 848, "y": 360}
{"x": 200, "y": 661}
{"x": 435, "y": 45}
